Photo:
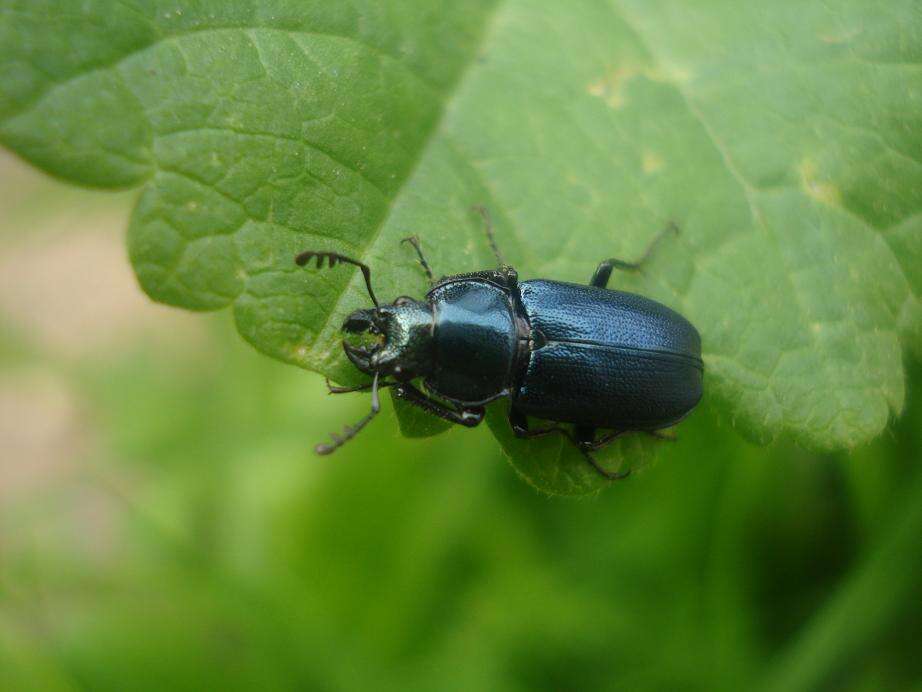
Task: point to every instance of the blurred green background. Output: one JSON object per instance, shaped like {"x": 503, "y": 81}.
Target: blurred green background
{"x": 165, "y": 525}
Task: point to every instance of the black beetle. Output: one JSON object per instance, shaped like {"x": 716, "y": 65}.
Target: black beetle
{"x": 567, "y": 353}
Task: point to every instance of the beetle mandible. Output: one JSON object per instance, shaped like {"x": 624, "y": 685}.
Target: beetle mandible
{"x": 586, "y": 356}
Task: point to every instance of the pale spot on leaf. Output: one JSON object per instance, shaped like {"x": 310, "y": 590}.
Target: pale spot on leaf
{"x": 651, "y": 162}
{"x": 822, "y": 191}
{"x": 840, "y": 37}
{"x": 610, "y": 88}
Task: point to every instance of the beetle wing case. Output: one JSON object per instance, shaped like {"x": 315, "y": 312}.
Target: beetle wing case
{"x": 607, "y": 358}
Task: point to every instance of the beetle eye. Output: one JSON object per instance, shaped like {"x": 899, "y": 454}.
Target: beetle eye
{"x": 356, "y": 325}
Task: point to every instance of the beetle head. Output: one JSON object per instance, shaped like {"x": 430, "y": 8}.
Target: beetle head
{"x": 396, "y": 340}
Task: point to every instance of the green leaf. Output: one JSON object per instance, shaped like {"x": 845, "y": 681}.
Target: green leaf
{"x": 784, "y": 139}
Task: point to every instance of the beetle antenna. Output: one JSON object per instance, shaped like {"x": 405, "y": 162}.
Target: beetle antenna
{"x": 351, "y": 431}
{"x": 334, "y": 257}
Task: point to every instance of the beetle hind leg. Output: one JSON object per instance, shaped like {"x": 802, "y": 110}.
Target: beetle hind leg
{"x": 519, "y": 423}
{"x": 588, "y": 439}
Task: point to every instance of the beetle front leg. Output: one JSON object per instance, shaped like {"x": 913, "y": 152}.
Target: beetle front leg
{"x": 351, "y": 431}
{"x": 488, "y": 230}
{"x": 468, "y": 417}
{"x": 519, "y": 423}
{"x": 414, "y": 241}
{"x": 603, "y": 273}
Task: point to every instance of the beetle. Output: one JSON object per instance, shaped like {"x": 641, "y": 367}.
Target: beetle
{"x": 585, "y": 358}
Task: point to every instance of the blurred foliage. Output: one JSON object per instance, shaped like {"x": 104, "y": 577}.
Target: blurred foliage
{"x": 193, "y": 541}
{"x": 782, "y": 138}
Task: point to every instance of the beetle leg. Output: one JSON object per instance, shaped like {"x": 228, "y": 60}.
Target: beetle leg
{"x": 591, "y": 443}
{"x": 468, "y": 417}
{"x": 414, "y": 241}
{"x": 603, "y": 273}
{"x": 351, "y": 431}
{"x": 488, "y": 229}
{"x": 519, "y": 423}
{"x": 589, "y": 440}
{"x": 333, "y": 389}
